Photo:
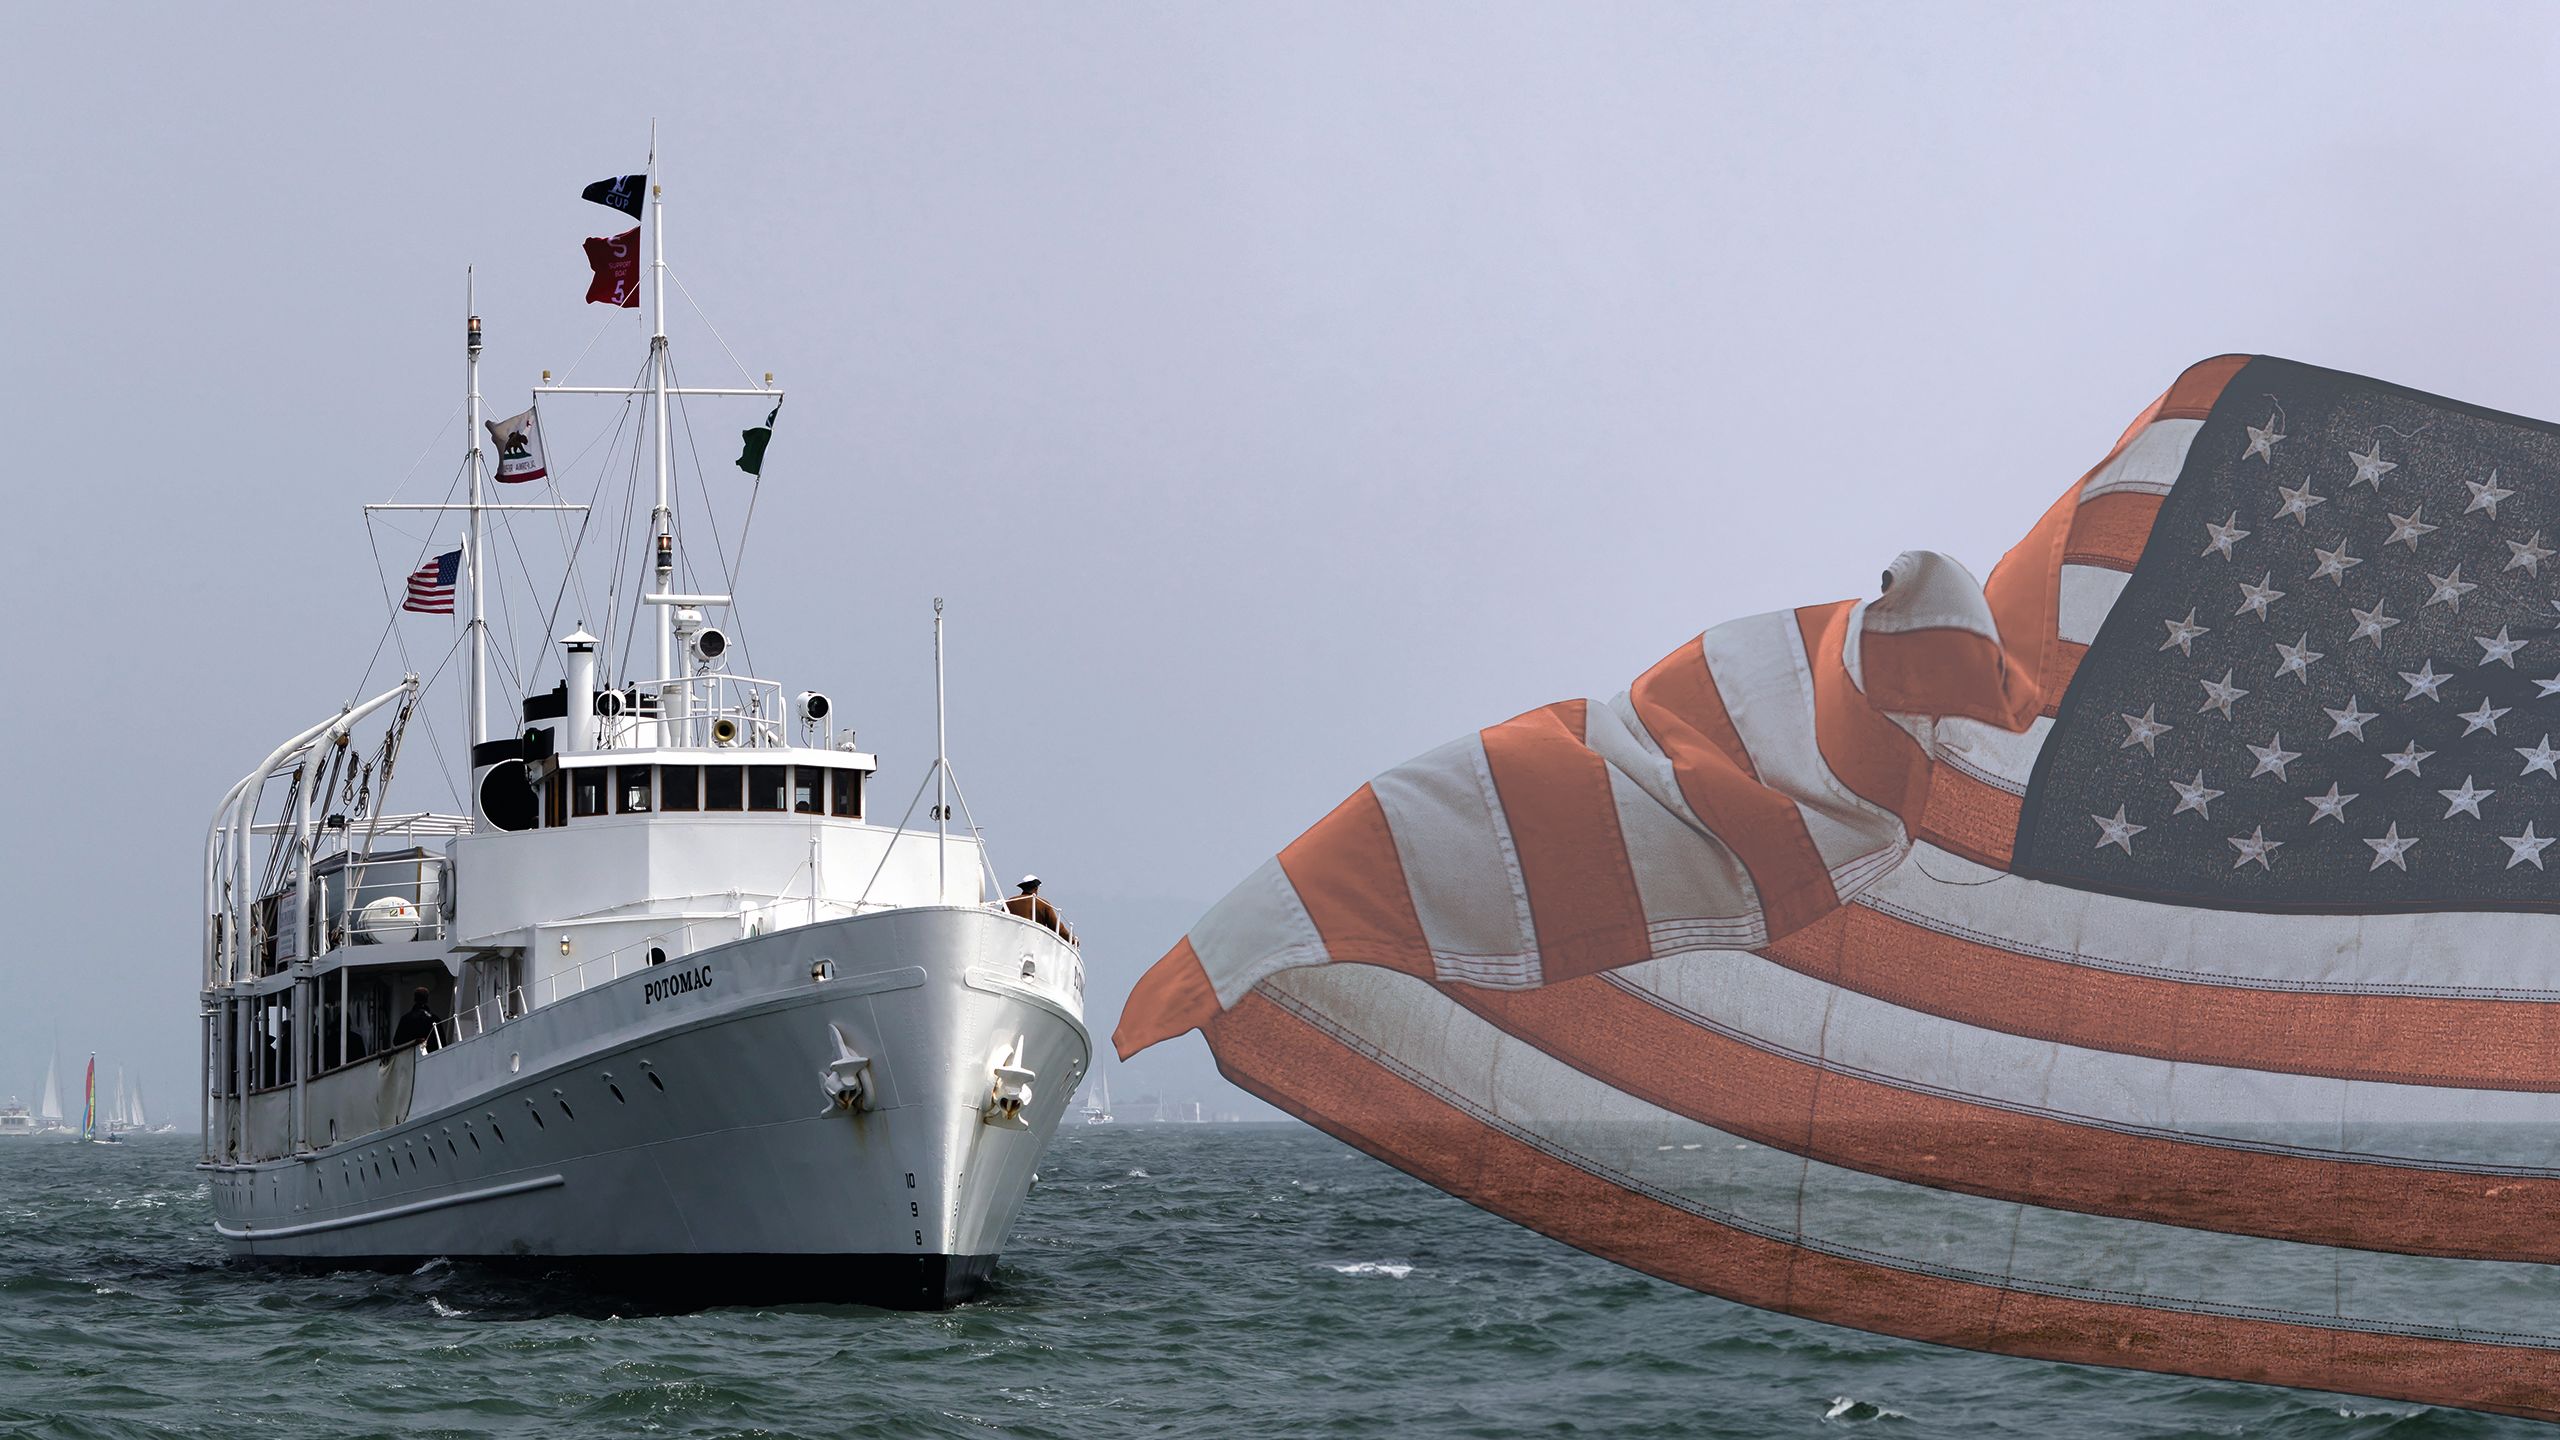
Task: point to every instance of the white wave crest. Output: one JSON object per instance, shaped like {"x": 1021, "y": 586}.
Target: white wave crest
{"x": 1392, "y": 1269}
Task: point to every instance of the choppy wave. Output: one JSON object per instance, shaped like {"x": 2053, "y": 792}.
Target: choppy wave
{"x": 1167, "y": 1282}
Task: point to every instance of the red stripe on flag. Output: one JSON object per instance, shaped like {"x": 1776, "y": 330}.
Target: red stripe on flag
{"x": 1679, "y": 706}
{"x": 1969, "y": 818}
{"x": 1876, "y": 759}
{"x": 2198, "y": 389}
{"x": 1340, "y": 1090}
{"x": 2025, "y": 596}
{"x": 2110, "y": 531}
{"x": 2404, "y": 1039}
{"x": 1351, "y": 881}
{"x": 1563, "y": 818}
{"x": 2061, "y": 664}
{"x": 1173, "y": 996}
{"x": 1638, "y": 1044}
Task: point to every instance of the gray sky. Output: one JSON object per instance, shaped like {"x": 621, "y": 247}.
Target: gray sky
{"x": 1274, "y": 392}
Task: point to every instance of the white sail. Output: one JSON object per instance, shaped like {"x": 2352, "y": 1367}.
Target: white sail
{"x": 133, "y": 1107}
{"x": 52, "y": 1107}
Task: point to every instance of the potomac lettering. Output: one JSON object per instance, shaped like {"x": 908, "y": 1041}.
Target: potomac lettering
{"x": 682, "y": 983}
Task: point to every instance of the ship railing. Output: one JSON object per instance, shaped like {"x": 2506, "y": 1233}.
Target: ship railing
{"x": 716, "y": 709}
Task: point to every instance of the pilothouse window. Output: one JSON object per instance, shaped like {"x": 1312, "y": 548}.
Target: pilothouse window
{"x": 586, "y": 792}
{"x": 631, "y": 790}
{"x": 808, "y": 790}
{"x": 680, "y": 787}
{"x": 724, "y": 787}
{"x": 765, "y": 785}
{"x": 845, "y": 793}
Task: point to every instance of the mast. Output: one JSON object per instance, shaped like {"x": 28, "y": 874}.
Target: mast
{"x": 477, "y": 634}
{"x": 662, "y": 518}
{"x": 941, "y": 772}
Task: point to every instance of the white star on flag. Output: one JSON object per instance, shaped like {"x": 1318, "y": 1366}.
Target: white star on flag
{"x": 2334, "y": 564}
{"x": 2255, "y": 846}
{"x": 2391, "y": 848}
{"x": 2540, "y": 757}
{"x": 2529, "y": 555}
{"x": 2484, "y": 718}
{"x": 2273, "y": 756}
{"x": 2183, "y": 633}
{"x": 2485, "y": 495}
{"x": 2142, "y": 730}
{"x": 2259, "y": 596}
{"x": 2219, "y": 695}
{"x": 2407, "y": 761}
{"x": 2527, "y": 846}
{"x": 2220, "y": 538}
{"x": 2195, "y": 795}
{"x": 2332, "y": 806}
{"x": 2423, "y": 681}
{"x": 2297, "y": 658}
{"x": 2547, "y": 688}
{"x": 2405, "y": 529}
{"x": 2370, "y": 624}
{"x": 2370, "y": 466}
{"x": 2298, "y": 503}
{"x": 2449, "y": 589}
{"x": 2117, "y": 831}
{"x": 2465, "y": 801}
{"x": 2351, "y": 721}
{"x": 2498, "y": 649}
{"x": 2262, "y": 441}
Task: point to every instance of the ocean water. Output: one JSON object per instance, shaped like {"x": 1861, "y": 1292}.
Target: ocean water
{"x": 1220, "y": 1281}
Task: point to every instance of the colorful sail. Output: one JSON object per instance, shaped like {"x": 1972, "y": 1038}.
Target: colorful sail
{"x": 1974, "y": 964}
{"x": 89, "y": 1108}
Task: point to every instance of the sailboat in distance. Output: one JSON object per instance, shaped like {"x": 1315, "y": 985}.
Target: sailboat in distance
{"x": 91, "y": 1128}
{"x": 49, "y": 1110}
{"x": 665, "y": 1003}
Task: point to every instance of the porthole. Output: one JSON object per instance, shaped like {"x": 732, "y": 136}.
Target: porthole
{"x": 617, "y": 1093}
{"x": 537, "y": 1118}
{"x": 654, "y": 1080}
{"x": 475, "y": 1138}
{"x": 494, "y": 1130}
{"x": 565, "y": 1110}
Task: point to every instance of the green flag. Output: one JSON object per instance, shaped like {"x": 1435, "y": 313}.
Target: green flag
{"x": 751, "y": 456}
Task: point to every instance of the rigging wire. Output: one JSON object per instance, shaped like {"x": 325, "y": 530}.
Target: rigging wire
{"x": 707, "y": 325}
{"x": 711, "y": 516}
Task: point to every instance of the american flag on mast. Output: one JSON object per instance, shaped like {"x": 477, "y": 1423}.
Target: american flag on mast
{"x": 431, "y": 585}
{"x": 2145, "y": 957}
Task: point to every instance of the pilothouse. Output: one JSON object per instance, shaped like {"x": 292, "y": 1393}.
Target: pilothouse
{"x": 668, "y": 998}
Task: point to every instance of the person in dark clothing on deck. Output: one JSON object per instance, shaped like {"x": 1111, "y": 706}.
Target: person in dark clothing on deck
{"x": 419, "y": 1025}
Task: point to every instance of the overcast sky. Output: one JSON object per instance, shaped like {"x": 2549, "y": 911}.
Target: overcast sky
{"x": 1274, "y": 392}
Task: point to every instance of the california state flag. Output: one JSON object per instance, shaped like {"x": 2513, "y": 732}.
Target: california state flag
{"x": 519, "y": 442}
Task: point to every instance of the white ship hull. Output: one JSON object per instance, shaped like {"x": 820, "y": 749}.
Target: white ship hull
{"x": 673, "y": 1123}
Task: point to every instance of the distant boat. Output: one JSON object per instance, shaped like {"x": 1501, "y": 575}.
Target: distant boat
{"x": 1098, "y": 1111}
{"x": 90, "y": 1130}
{"x": 49, "y": 1110}
{"x": 15, "y": 1121}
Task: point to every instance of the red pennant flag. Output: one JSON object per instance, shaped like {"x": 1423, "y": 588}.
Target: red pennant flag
{"x": 616, "y": 259}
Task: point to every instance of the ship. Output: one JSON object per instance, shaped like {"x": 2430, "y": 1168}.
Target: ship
{"x": 662, "y": 1002}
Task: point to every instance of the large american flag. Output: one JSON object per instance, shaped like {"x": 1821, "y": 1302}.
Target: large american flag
{"x": 2145, "y": 957}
